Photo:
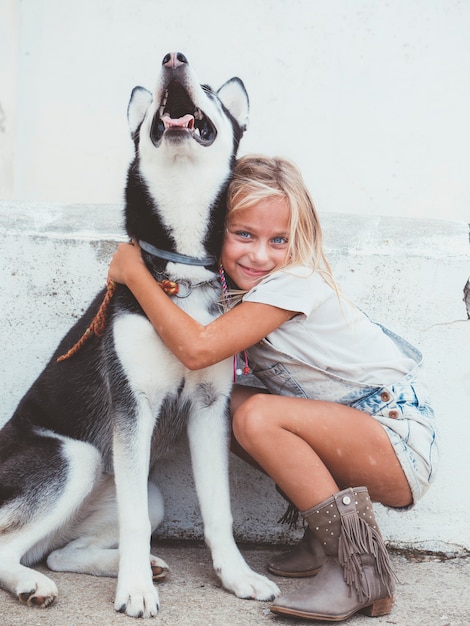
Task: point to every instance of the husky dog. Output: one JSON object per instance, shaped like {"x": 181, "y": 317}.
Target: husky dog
{"x": 77, "y": 454}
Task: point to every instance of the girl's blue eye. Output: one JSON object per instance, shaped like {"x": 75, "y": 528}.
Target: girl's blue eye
{"x": 243, "y": 233}
{"x": 279, "y": 240}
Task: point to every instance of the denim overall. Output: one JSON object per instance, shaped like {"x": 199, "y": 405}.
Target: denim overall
{"x": 403, "y": 408}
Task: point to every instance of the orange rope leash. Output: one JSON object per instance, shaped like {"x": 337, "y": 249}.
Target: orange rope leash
{"x": 98, "y": 323}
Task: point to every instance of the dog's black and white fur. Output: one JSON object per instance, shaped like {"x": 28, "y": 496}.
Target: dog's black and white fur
{"x": 76, "y": 456}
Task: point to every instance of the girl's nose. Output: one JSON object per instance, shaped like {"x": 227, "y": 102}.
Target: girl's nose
{"x": 260, "y": 251}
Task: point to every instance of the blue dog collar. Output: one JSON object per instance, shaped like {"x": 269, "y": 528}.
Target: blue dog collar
{"x": 175, "y": 257}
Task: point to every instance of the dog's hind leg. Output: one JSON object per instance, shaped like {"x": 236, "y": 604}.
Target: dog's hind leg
{"x": 93, "y": 548}
{"x": 208, "y": 439}
{"x": 44, "y": 484}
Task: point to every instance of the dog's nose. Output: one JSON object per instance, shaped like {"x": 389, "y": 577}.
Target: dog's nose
{"x": 174, "y": 59}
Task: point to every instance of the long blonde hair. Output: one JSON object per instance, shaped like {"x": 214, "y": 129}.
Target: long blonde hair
{"x": 258, "y": 177}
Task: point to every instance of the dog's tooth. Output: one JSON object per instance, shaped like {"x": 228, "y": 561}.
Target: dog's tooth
{"x": 163, "y": 102}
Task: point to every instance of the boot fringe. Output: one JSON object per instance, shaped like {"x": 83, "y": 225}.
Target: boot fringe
{"x": 358, "y": 538}
{"x": 292, "y": 513}
{"x": 291, "y": 516}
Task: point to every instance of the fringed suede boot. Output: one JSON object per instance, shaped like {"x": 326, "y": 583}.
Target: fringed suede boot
{"x": 304, "y": 560}
{"x": 356, "y": 575}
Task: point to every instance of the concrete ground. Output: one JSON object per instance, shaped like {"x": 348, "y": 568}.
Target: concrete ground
{"x": 430, "y": 592}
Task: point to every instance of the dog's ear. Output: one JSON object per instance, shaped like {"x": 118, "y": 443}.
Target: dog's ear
{"x": 234, "y": 97}
{"x": 138, "y": 105}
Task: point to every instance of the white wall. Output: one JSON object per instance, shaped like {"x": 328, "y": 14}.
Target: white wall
{"x": 371, "y": 98}
{"x": 407, "y": 273}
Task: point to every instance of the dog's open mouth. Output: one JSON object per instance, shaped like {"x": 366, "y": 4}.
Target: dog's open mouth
{"x": 178, "y": 117}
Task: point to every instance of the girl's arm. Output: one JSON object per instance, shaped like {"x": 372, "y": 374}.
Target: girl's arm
{"x": 194, "y": 344}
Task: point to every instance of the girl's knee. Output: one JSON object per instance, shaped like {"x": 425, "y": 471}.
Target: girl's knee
{"x": 249, "y": 419}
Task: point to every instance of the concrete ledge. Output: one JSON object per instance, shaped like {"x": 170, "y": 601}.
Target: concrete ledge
{"x": 407, "y": 273}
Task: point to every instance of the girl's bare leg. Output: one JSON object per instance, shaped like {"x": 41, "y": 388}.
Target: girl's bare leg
{"x": 313, "y": 449}
{"x": 241, "y": 393}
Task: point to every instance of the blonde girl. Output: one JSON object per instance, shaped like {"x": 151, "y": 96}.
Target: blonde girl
{"x": 344, "y": 419}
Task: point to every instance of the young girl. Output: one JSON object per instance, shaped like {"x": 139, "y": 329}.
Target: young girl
{"x": 344, "y": 407}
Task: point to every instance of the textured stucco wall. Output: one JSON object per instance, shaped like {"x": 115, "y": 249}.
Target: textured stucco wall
{"x": 407, "y": 273}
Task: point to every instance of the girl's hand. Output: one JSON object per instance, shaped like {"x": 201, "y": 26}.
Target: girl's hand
{"x": 126, "y": 261}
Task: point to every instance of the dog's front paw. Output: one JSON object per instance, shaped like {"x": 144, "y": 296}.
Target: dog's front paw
{"x": 138, "y": 603}
{"x": 249, "y": 585}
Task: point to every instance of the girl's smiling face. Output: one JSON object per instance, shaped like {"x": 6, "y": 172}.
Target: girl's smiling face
{"x": 256, "y": 241}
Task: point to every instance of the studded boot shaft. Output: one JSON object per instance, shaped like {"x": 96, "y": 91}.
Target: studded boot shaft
{"x": 356, "y": 575}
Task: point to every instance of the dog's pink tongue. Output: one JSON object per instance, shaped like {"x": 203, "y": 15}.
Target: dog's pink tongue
{"x": 187, "y": 121}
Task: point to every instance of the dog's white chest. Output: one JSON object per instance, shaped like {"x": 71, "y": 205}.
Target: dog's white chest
{"x": 149, "y": 365}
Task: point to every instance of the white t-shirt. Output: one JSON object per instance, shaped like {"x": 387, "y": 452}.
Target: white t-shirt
{"x": 329, "y": 333}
